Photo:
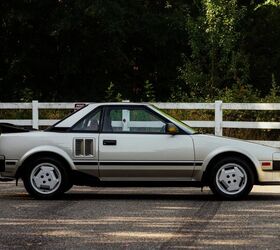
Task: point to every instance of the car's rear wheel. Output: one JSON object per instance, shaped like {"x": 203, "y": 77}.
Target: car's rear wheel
{"x": 46, "y": 178}
{"x": 231, "y": 178}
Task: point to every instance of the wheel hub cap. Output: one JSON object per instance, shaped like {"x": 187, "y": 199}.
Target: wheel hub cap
{"x": 231, "y": 178}
{"x": 45, "y": 178}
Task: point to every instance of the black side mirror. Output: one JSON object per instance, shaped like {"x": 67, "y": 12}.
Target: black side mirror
{"x": 170, "y": 128}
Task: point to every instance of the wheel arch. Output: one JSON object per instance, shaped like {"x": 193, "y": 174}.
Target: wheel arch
{"x": 232, "y": 154}
{"x": 43, "y": 153}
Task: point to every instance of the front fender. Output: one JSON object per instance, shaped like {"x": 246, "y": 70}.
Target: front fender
{"x": 222, "y": 150}
{"x": 199, "y": 170}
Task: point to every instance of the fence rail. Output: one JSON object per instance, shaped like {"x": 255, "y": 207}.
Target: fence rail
{"x": 218, "y": 106}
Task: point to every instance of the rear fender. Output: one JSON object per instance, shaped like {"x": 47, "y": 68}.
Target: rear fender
{"x": 50, "y": 149}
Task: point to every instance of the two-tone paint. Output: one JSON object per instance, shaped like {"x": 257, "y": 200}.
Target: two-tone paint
{"x": 184, "y": 157}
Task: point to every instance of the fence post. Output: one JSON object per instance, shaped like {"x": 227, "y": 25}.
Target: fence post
{"x": 35, "y": 115}
{"x": 218, "y": 118}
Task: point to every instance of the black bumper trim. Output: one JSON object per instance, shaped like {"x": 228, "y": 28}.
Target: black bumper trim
{"x": 276, "y": 165}
{"x": 2, "y": 164}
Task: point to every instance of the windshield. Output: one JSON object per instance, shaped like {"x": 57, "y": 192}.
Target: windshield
{"x": 183, "y": 125}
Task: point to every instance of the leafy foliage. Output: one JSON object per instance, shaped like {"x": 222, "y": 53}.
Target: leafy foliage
{"x": 216, "y": 61}
{"x": 111, "y": 96}
{"x": 199, "y": 50}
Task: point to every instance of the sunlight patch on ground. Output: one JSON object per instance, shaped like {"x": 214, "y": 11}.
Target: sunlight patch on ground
{"x": 266, "y": 189}
{"x": 233, "y": 242}
{"x": 148, "y": 235}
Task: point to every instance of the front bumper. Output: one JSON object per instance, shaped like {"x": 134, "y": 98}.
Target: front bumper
{"x": 269, "y": 174}
{"x": 2, "y": 163}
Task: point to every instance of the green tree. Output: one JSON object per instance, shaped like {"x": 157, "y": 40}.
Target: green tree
{"x": 111, "y": 95}
{"x": 262, "y": 44}
{"x": 149, "y": 92}
{"x": 69, "y": 50}
{"x": 216, "y": 60}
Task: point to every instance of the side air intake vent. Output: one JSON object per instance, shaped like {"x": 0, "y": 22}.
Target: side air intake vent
{"x": 88, "y": 147}
{"x": 84, "y": 147}
{"x": 79, "y": 147}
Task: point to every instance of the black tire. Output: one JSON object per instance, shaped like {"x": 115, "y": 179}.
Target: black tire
{"x": 226, "y": 179}
{"x": 58, "y": 177}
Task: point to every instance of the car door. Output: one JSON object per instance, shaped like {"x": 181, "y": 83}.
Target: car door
{"x": 133, "y": 145}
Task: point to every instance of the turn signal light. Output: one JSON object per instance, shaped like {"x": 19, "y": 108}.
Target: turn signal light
{"x": 267, "y": 165}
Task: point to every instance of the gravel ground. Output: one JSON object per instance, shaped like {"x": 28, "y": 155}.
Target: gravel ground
{"x": 139, "y": 218}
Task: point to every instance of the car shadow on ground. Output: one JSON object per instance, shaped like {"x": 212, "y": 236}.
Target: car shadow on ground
{"x": 79, "y": 196}
{"x": 145, "y": 196}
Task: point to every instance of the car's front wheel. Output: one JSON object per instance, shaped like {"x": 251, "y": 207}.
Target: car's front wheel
{"x": 231, "y": 178}
{"x": 46, "y": 178}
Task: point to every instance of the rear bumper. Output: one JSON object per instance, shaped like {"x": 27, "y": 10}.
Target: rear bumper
{"x": 2, "y": 163}
{"x": 5, "y": 179}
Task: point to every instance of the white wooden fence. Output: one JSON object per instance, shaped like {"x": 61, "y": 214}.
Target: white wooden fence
{"x": 218, "y": 122}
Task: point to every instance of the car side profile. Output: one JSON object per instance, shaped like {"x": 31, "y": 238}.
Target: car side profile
{"x": 127, "y": 144}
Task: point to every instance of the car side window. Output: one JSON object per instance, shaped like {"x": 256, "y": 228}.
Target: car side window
{"x": 89, "y": 123}
{"x": 132, "y": 120}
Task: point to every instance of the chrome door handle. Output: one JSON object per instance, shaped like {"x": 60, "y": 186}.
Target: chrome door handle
{"x": 109, "y": 142}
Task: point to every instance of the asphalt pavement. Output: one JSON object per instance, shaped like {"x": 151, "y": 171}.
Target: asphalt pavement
{"x": 139, "y": 218}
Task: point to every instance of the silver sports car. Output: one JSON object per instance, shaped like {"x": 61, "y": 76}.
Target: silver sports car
{"x": 132, "y": 144}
